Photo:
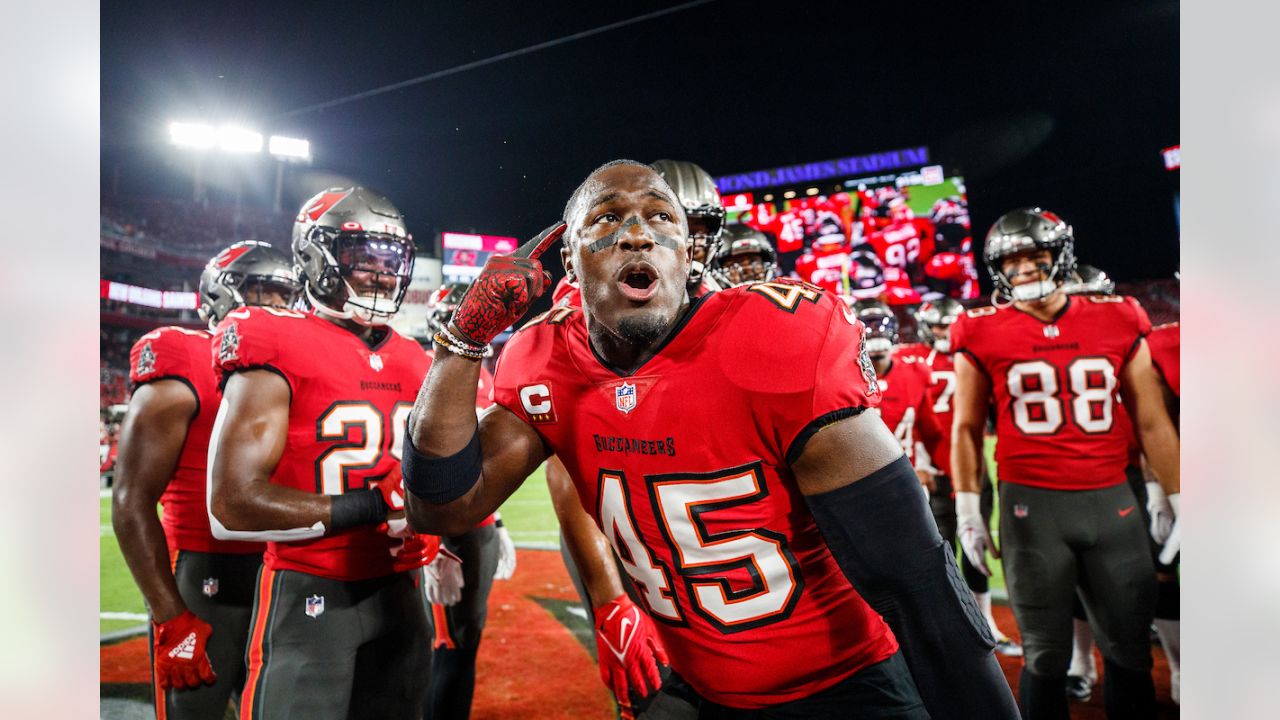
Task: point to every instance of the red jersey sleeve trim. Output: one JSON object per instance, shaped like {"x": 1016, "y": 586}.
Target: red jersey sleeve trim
{"x": 809, "y": 430}
{"x": 976, "y": 362}
{"x": 180, "y": 378}
{"x": 226, "y": 375}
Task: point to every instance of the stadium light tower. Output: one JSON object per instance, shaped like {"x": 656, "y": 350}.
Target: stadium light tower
{"x": 237, "y": 140}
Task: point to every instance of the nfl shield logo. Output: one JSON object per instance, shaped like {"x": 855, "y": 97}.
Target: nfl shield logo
{"x": 1019, "y": 510}
{"x": 209, "y": 587}
{"x": 375, "y": 362}
{"x": 315, "y": 606}
{"x": 1051, "y": 331}
{"x": 625, "y": 397}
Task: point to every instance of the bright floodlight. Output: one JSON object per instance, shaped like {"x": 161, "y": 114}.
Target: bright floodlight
{"x": 281, "y": 146}
{"x": 195, "y": 135}
{"x": 237, "y": 139}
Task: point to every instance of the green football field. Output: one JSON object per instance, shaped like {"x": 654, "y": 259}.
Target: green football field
{"x": 527, "y": 514}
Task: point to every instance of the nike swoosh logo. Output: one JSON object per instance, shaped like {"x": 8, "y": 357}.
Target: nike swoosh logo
{"x": 1125, "y": 512}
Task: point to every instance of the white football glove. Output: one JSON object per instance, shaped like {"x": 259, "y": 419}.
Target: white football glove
{"x": 1173, "y": 545}
{"x": 975, "y": 539}
{"x": 443, "y": 579}
{"x": 506, "y": 554}
{"x": 1161, "y": 513}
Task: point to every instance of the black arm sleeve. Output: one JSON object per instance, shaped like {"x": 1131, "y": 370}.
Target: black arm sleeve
{"x": 884, "y": 538}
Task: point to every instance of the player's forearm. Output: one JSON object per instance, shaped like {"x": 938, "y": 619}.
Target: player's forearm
{"x": 966, "y": 444}
{"x": 261, "y": 506}
{"x": 1161, "y": 446}
{"x": 146, "y": 552}
{"x": 443, "y": 420}
{"x": 587, "y": 545}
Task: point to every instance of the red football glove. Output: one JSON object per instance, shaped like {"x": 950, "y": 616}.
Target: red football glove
{"x": 628, "y": 652}
{"x": 414, "y": 552}
{"x": 504, "y": 290}
{"x": 180, "y": 657}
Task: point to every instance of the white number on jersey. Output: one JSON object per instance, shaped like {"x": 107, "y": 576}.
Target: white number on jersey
{"x": 359, "y": 429}
{"x": 948, "y": 380}
{"x": 684, "y": 504}
{"x": 1037, "y": 410}
{"x": 651, "y": 578}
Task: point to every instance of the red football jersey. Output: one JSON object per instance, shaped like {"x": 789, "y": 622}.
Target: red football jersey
{"x": 1055, "y": 387}
{"x": 906, "y": 245}
{"x": 685, "y": 465}
{"x": 826, "y": 268}
{"x": 942, "y": 386}
{"x": 346, "y": 421}
{"x": 905, "y": 407}
{"x": 1166, "y": 342}
{"x": 182, "y": 354}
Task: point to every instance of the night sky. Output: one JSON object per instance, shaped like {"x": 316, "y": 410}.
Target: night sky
{"x": 1067, "y": 108}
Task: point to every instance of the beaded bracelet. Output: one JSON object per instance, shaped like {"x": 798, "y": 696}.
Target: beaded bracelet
{"x": 456, "y": 346}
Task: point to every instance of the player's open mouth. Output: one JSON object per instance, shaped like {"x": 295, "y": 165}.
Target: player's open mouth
{"x": 638, "y": 281}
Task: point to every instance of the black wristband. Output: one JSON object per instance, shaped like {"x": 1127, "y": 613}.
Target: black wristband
{"x": 444, "y": 479}
{"x": 356, "y": 507}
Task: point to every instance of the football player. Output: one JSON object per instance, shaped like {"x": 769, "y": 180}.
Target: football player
{"x": 487, "y": 553}
{"x": 767, "y": 525}
{"x": 933, "y": 352}
{"x": 1052, "y": 365}
{"x": 904, "y": 405}
{"x": 745, "y": 256}
{"x": 906, "y": 242}
{"x": 1166, "y": 344}
{"x": 304, "y": 455}
{"x": 700, "y": 199}
{"x": 198, "y": 588}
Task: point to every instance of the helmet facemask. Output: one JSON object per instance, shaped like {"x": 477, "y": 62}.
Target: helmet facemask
{"x": 246, "y": 274}
{"x": 366, "y": 275}
{"x": 704, "y": 236}
{"x": 1023, "y": 231}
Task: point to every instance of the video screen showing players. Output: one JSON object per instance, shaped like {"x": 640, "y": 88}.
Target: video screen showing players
{"x": 904, "y": 238}
{"x": 464, "y": 254}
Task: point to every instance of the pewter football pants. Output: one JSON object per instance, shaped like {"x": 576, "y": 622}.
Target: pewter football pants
{"x": 324, "y": 649}
{"x": 218, "y": 588}
{"x": 1055, "y": 540}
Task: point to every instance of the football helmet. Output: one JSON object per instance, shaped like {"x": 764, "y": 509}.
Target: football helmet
{"x": 950, "y": 210}
{"x": 354, "y": 254}
{"x": 882, "y": 326}
{"x": 827, "y": 234}
{"x": 1023, "y": 230}
{"x": 745, "y": 256}
{"x": 866, "y": 274}
{"x": 249, "y": 265}
{"x": 943, "y": 311}
{"x": 697, "y": 193}
{"x": 1089, "y": 280}
{"x": 441, "y": 304}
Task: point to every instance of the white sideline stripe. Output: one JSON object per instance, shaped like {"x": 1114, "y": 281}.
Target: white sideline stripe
{"x": 106, "y": 530}
{"x": 104, "y": 493}
{"x": 122, "y": 616}
{"x": 577, "y": 610}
